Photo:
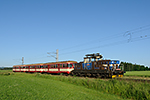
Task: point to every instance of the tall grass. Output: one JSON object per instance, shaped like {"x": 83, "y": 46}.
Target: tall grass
{"x": 125, "y": 89}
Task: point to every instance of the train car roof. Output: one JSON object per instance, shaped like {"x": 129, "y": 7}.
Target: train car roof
{"x": 61, "y": 62}
{"x": 45, "y": 63}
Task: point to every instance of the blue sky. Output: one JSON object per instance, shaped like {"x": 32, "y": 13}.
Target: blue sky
{"x": 117, "y": 29}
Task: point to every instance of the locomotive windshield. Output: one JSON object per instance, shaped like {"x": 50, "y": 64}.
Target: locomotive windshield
{"x": 70, "y": 65}
{"x": 92, "y": 57}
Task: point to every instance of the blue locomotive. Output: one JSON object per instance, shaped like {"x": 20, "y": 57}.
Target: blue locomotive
{"x": 94, "y": 65}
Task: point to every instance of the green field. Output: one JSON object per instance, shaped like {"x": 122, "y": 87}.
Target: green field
{"x": 138, "y": 73}
{"x": 23, "y": 86}
{"x": 45, "y": 86}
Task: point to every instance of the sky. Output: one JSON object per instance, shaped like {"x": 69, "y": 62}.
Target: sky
{"x": 117, "y": 29}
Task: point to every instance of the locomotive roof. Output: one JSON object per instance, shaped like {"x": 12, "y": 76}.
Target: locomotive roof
{"x": 46, "y": 63}
{"x": 97, "y": 55}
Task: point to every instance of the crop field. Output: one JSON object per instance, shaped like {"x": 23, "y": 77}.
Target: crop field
{"x": 23, "y": 86}
{"x": 138, "y": 73}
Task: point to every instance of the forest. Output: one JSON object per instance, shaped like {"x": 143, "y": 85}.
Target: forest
{"x": 134, "y": 67}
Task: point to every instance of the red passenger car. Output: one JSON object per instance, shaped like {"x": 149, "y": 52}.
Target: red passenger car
{"x": 54, "y": 67}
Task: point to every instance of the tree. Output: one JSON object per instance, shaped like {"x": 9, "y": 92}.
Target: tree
{"x": 142, "y": 68}
{"x": 146, "y": 68}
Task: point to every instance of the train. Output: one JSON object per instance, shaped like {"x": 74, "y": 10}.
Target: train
{"x": 93, "y": 65}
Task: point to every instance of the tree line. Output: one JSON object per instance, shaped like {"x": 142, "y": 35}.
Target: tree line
{"x": 6, "y": 68}
{"x": 134, "y": 67}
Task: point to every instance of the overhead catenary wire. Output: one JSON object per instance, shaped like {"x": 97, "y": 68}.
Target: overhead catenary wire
{"x": 122, "y": 34}
{"x": 108, "y": 38}
{"x": 109, "y": 44}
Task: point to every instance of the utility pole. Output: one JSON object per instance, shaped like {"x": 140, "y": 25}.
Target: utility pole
{"x": 22, "y": 60}
{"x": 56, "y": 57}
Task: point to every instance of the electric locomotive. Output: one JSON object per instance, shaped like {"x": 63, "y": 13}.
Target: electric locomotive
{"x": 94, "y": 65}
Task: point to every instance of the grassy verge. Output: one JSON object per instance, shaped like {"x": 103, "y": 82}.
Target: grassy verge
{"x": 125, "y": 89}
{"x": 138, "y": 73}
{"x": 22, "y": 86}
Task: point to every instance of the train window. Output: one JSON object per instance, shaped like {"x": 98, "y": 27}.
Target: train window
{"x": 52, "y": 66}
{"x": 64, "y": 65}
{"x": 103, "y": 62}
{"x": 45, "y": 66}
{"x": 32, "y": 66}
{"x": 100, "y": 62}
{"x": 37, "y": 66}
{"x": 69, "y": 65}
{"x": 61, "y": 66}
{"x": 41, "y": 66}
{"x": 76, "y": 65}
{"x": 56, "y": 65}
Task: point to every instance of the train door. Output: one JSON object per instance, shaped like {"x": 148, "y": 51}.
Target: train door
{"x": 87, "y": 65}
{"x": 58, "y": 67}
{"x": 26, "y": 68}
